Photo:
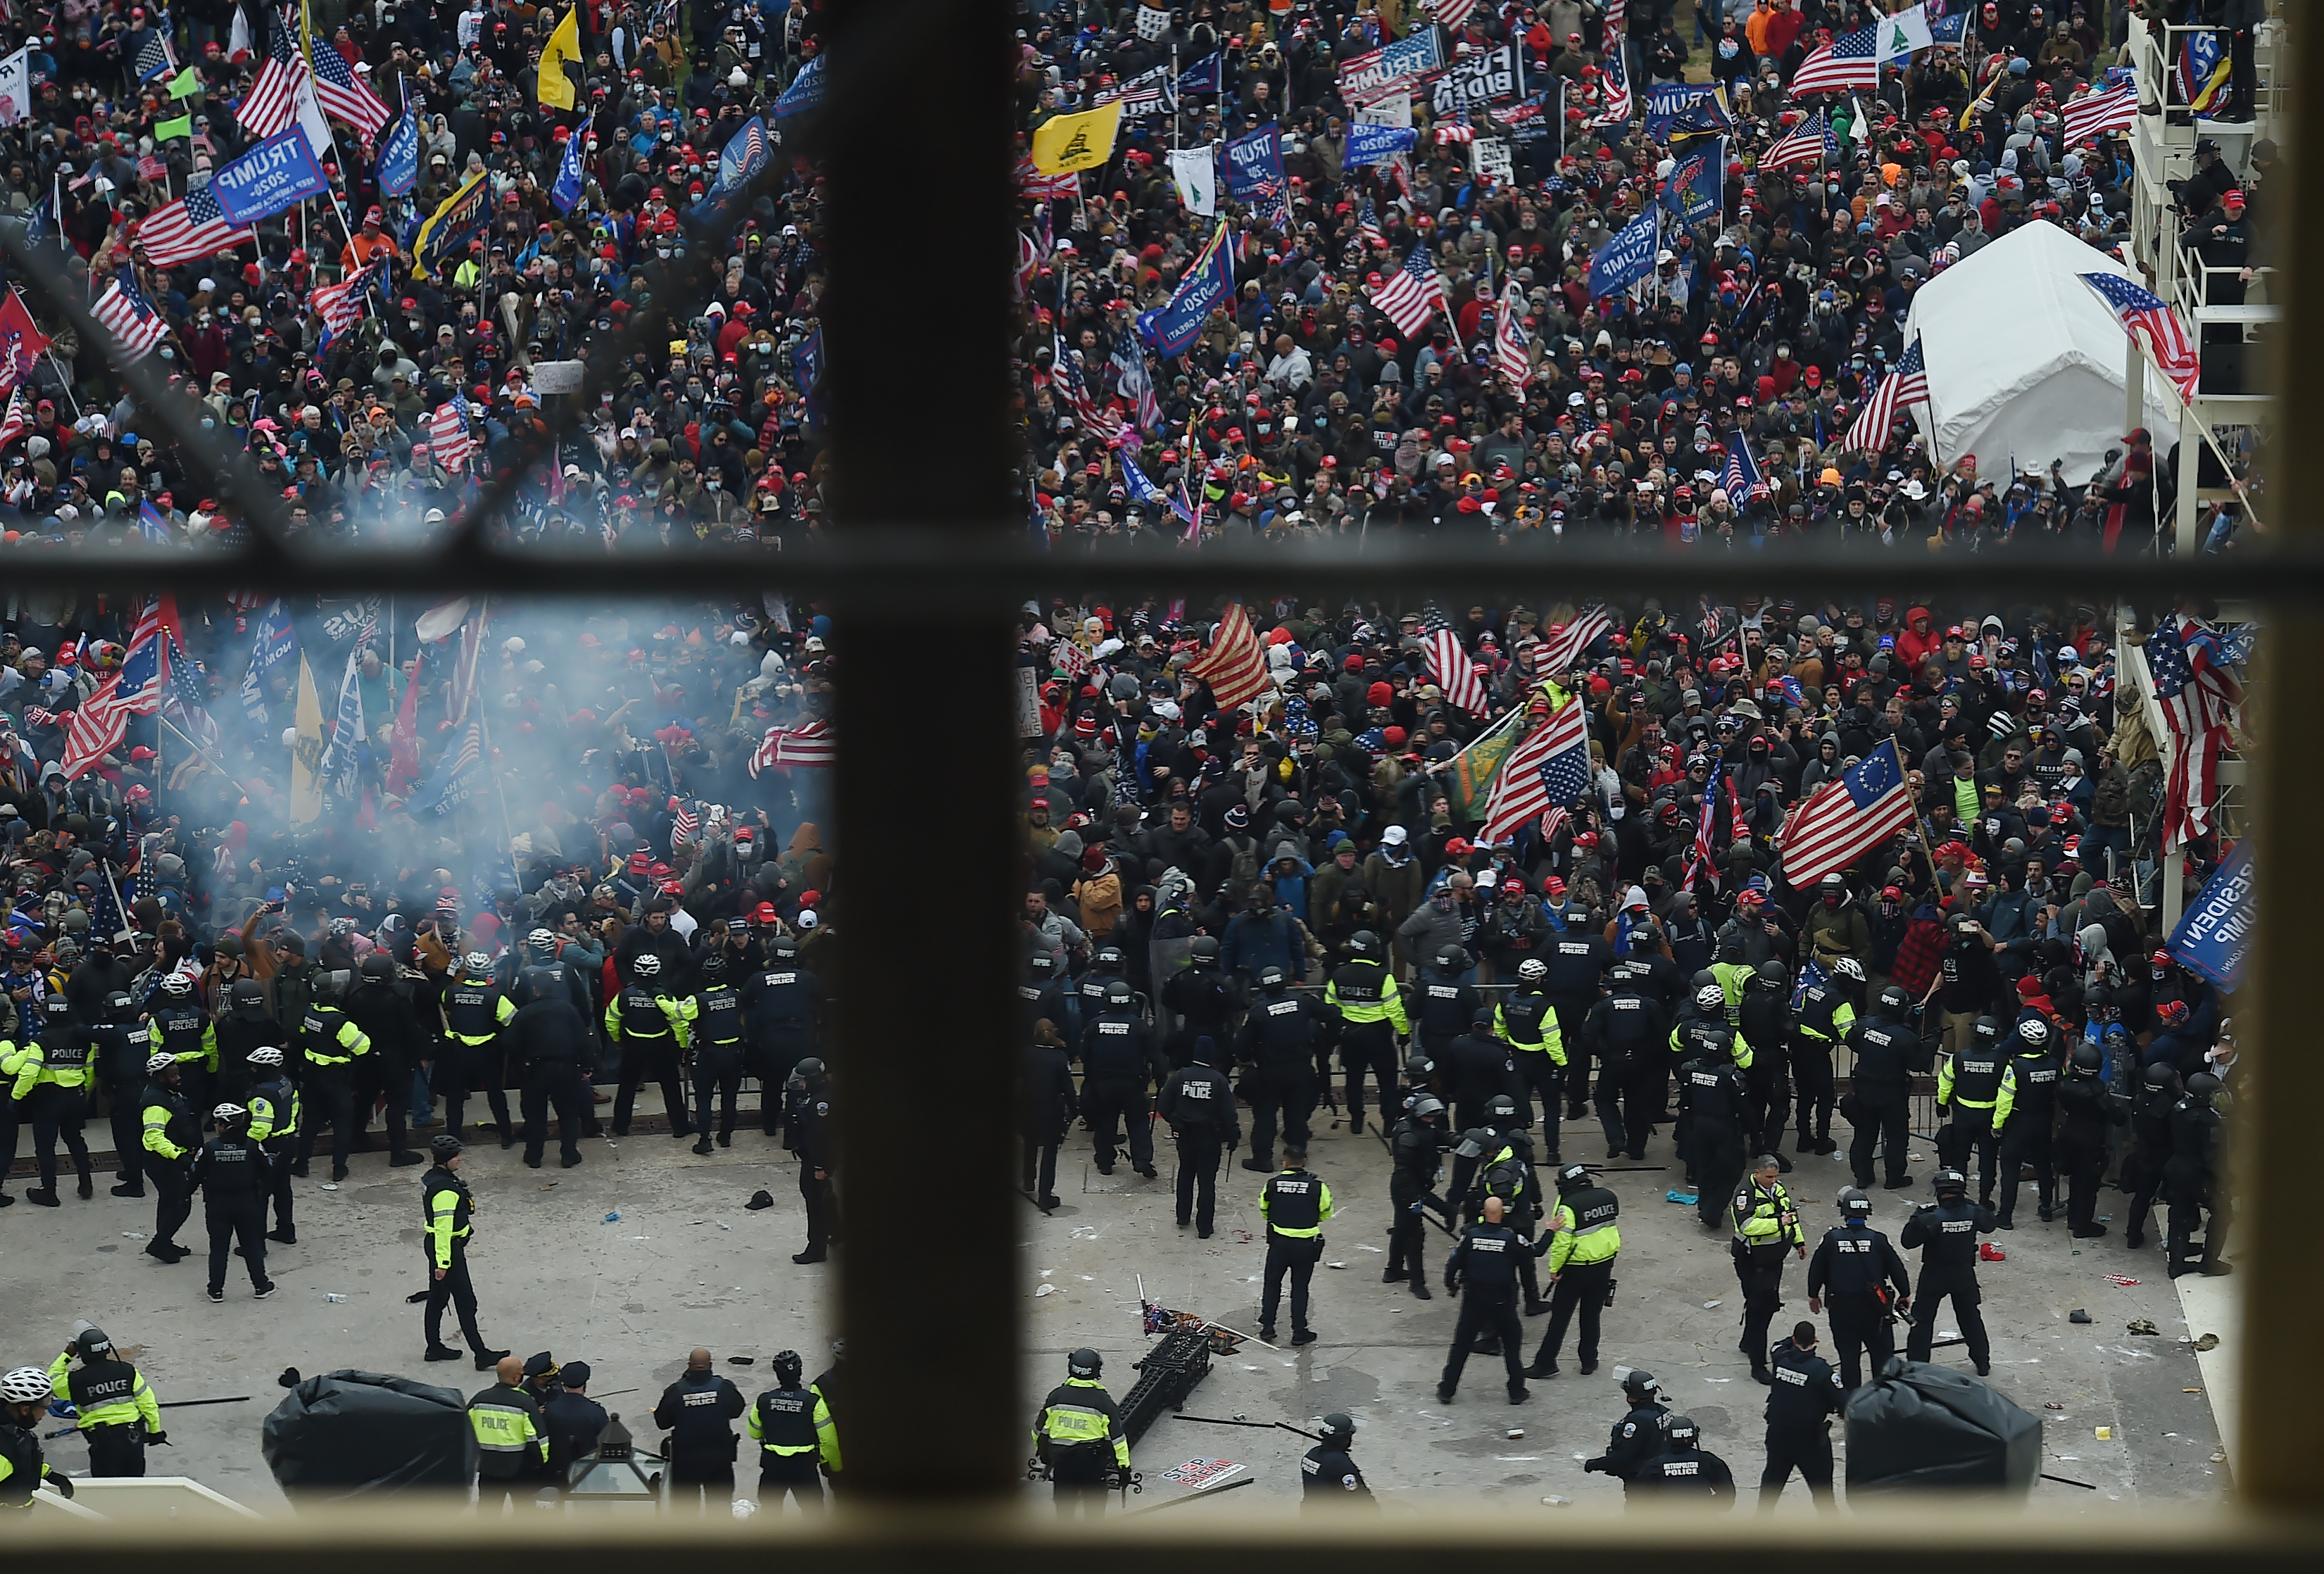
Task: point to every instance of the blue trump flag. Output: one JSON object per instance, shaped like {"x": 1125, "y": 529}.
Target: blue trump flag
{"x": 1372, "y": 144}
{"x": 1629, "y": 257}
{"x": 1255, "y": 173}
{"x": 572, "y": 179}
{"x": 1206, "y": 77}
{"x": 278, "y": 174}
{"x": 746, "y": 152}
{"x": 1208, "y": 282}
{"x": 1696, "y": 185}
{"x": 399, "y": 155}
{"x": 2214, "y": 936}
{"x": 805, "y": 93}
{"x": 1143, "y": 492}
{"x": 455, "y": 781}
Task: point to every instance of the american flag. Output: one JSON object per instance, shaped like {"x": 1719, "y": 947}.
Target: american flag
{"x": 1902, "y": 389}
{"x": 1561, "y": 650}
{"x": 2198, "y": 695}
{"x": 1512, "y": 349}
{"x": 2093, "y": 114}
{"x": 184, "y": 700}
{"x": 151, "y": 167}
{"x": 1449, "y": 666}
{"x": 1451, "y": 13}
{"x": 1741, "y": 478}
{"x": 97, "y": 728}
{"x": 1234, "y": 666}
{"x": 1620, "y": 103}
{"x": 17, "y": 419}
{"x": 1456, "y": 135}
{"x": 1135, "y": 382}
{"x": 1847, "y": 63}
{"x": 1846, "y": 818}
{"x": 135, "y": 326}
{"x": 193, "y": 226}
{"x": 1552, "y": 822}
{"x": 1702, "y": 858}
{"x": 1548, "y": 768}
{"x": 1032, "y": 183}
{"x": 1368, "y": 228}
{"x": 2154, "y": 325}
{"x": 273, "y": 102}
{"x": 1149, "y": 93}
{"x": 1810, "y": 142}
{"x": 344, "y": 94}
{"x": 684, "y": 826}
{"x": 447, "y": 432}
{"x": 341, "y": 305}
{"x": 810, "y": 746}
{"x": 1412, "y": 294}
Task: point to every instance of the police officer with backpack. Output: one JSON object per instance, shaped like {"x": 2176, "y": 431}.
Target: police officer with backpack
{"x": 1860, "y": 1274}
{"x": 1714, "y": 1101}
{"x": 1199, "y": 1103}
{"x": 1886, "y": 1050}
{"x": 1444, "y": 1003}
{"x": 1278, "y": 1041}
{"x": 782, "y": 1424}
{"x": 1946, "y": 1231}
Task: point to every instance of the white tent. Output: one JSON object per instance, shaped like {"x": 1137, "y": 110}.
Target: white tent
{"x": 2024, "y": 360}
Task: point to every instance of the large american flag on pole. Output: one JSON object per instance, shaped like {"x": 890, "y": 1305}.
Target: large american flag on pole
{"x": 1449, "y": 666}
{"x": 1846, "y": 818}
{"x": 191, "y": 227}
{"x": 2198, "y": 694}
{"x": 344, "y": 94}
{"x": 809, "y": 746}
{"x": 1413, "y": 294}
{"x": 1548, "y": 768}
{"x": 130, "y": 319}
{"x": 98, "y": 727}
{"x": 1235, "y": 667}
{"x": 341, "y": 305}
{"x": 2094, "y": 115}
{"x": 1902, "y": 389}
{"x": 2154, "y": 325}
{"x": 447, "y": 432}
{"x": 1562, "y": 647}
{"x": 1702, "y": 859}
{"x": 1847, "y": 63}
{"x": 273, "y": 102}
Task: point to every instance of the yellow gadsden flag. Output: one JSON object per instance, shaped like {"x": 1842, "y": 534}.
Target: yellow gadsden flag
{"x": 1076, "y": 142}
{"x": 556, "y": 88}
{"x": 307, "y": 752}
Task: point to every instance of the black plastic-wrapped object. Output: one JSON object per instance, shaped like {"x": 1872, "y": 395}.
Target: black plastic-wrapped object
{"x": 1166, "y": 1377}
{"x": 1918, "y": 1425}
{"x": 350, "y": 1434}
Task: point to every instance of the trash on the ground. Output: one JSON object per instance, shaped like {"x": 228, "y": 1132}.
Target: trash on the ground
{"x": 1989, "y": 1253}
{"x": 722, "y": 1224}
{"x": 131, "y": 1235}
{"x": 330, "y": 1185}
{"x": 2219, "y": 1456}
{"x": 2125, "y": 1279}
{"x": 1712, "y": 1305}
{"x": 1515, "y": 1433}
{"x": 1554, "y": 1501}
{"x": 759, "y": 1200}
{"x": 1684, "y": 1198}
{"x": 1366, "y": 1248}
{"x": 2078, "y": 1315}
{"x": 1335, "y": 1265}
{"x": 2104, "y": 1434}
{"x": 2191, "y": 1391}
{"x": 289, "y": 1378}
{"x": 2209, "y": 1342}
{"x": 2142, "y": 1325}
{"x": 741, "y": 1360}
{"x": 334, "y": 1298}
{"x": 1045, "y": 1290}
{"x": 609, "y": 1218}
{"x": 2052, "y": 1405}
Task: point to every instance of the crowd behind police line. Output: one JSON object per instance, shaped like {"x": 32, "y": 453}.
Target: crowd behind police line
{"x": 1222, "y": 901}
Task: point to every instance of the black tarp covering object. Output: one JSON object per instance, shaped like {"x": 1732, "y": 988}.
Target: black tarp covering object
{"x": 357, "y": 1435}
{"x": 1920, "y": 1425}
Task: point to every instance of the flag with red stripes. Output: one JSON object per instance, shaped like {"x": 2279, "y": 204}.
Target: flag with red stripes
{"x": 273, "y": 102}
{"x": 2094, "y": 115}
{"x": 1846, "y": 818}
{"x": 341, "y": 92}
{"x": 809, "y": 746}
{"x": 1548, "y": 768}
{"x": 1902, "y": 389}
{"x": 1562, "y": 647}
{"x": 1450, "y": 669}
{"x": 2148, "y": 318}
{"x": 1848, "y": 62}
{"x": 1235, "y": 667}
{"x": 102, "y": 721}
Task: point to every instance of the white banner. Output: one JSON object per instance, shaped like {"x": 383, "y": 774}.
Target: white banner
{"x": 1395, "y": 109}
{"x": 17, "y": 87}
{"x": 1196, "y": 171}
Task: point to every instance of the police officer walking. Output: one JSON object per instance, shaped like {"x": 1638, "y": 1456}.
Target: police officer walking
{"x": 807, "y": 1133}
{"x": 1857, "y": 1269}
{"x": 1582, "y": 1245}
{"x": 782, "y": 1424}
{"x": 1049, "y": 1105}
{"x": 2024, "y": 1114}
{"x": 2086, "y": 1107}
{"x": 1946, "y": 1231}
{"x": 717, "y": 1051}
{"x": 1684, "y": 1470}
{"x": 1628, "y": 1031}
{"x": 650, "y": 1025}
{"x": 698, "y": 1412}
{"x": 1483, "y": 1271}
{"x": 446, "y": 1208}
{"x": 1968, "y": 1089}
{"x": 1800, "y": 1403}
{"x": 511, "y": 1448}
{"x": 119, "y": 1416}
{"x": 331, "y": 1044}
{"x": 169, "y": 1134}
{"x": 1638, "y": 1438}
{"x": 1411, "y": 1187}
{"x": 1713, "y": 1100}
{"x": 1826, "y": 1014}
{"x": 235, "y": 1177}
{"x": 1766, "y": 1226}
{"x": 1294, "y": 1204}
{"x": 274, "y": 1105}
{"x": 547, "y": 1037}
{"x": 53, "y": 1085}
{"x": 1329, "y": 1476}
{"x": 1887, "y": 1049}
{"x": 1278, "y": 1041}
{"x": 1118, "y": 1058}
{"x": 1199, "y": 1103}
{"x": 1371, "y": 1015}
{"x": 1078, "y": 1435}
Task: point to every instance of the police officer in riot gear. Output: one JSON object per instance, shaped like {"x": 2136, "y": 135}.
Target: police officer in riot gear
{"x": 1371, "y": 1009}
{"x": 1764, "y": 1018}
{"x": 1508, "y": 1174}
{"x": 1827, "y": 1011}
{"x": 1628, "y": 1032}
{"x": 1476, "y": 1070}
{"x": 51, "y": 1084}
{"x": 1857, "y": 1269}
{"x": 1047, "y": 1107}
{"x": 231, "y": 1171}
{"x": 717, "y": 1050}
{"x": 652, "y": 1028}
{"x": 1199, "y": 1103}
{"x": 2144, "y": 1166}
{"x": 1119, "y": 1059}
{"x": 1714, "y": 1103}
{"x": 331, "y": 1044}
{"x": 1278, "y": 1041}
{"x": 1886, "y": 1050}
{"x": 1479, "y": 1143}
{"x": 2190, "y": 1181}
{"x": 1444, "y": 1003}
{"x": 1969, "y": 1087}
{"x": 1946, "y": 1231}
{"x": 1525, "y": 1019}
{"x": 1203, "y": 998}
{"x": 1638, "y": 1438}
{"x": 1415, "y": 1152}
{"x": 2086, "y": 1107}
{"x": 1802, "y": 1400}
{"x": 2025, "y": 1112}
{"x": 1483, "y": 1271}
{"x": 549, "y": 1041}
{"x": 274, "y": 1105}
{"x": 1684, "y": 1470}
{"x": 1043, "y": 998}
{"x": 1582, "y": 1245}
{"x": 1329, "y": 1477}
{"x": 1079, "y": 1436}
{"x": 377, "y": 1006}
{"x": 1573, "y": 965}
{"x": 117, "y": 1054}
{"x": 808, "y": 1132}
{"x": 781, "y": 1003}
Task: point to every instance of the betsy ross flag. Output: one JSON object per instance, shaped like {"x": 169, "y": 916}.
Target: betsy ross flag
{"x": 1411, "y": 295}
{"x": 98, "y": 727}
{"x": 1846, "y": 818}
{"x": 1234, "y": 666}
{"x": 1548, "y": 770}
{"x": 2198, "y": 694}
{"x": 1902, "y": 389}
{"x": 130, "y": 319}
{"x": 2094, "y": 115}
{"x": 1847, "y": 63}
{"x": 191, "y": 227}
{"x": 273, "y": 102}
{"x": 341, "y": 305}
{"x": 447, "y": 432}
{"x": 1810, "y": 142}
{"x": 341, "y": 92}
{"x": 809, "y": 746}
{"x": 1449, "y": 666}
{"x": 2155, "y": 326}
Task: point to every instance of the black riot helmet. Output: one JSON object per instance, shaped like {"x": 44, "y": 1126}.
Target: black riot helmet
{"x": 788, "y": 1368}
{"x": 2202, "y": 1087}
{"x": 1703, "y": 976}
{"x": 1273, "y": 978}
{"x": 93, "y": 1343}
{"x": 1042, "y": 964}
{"x": 378, "y": 965}
{"x": 1640, "y": 1386}
{"x": 119, "y": 1007}
{"x": 1427, "y": 1107}
{"x": 1501, "y": 1108}
{"x": 2088, "y": 1058}
{"x": 1771, "y": 974}
{"x": 1453, "y": 959}
{"x": 1894, "y": 1002}
{"x": 1987, "y": 1032}
{"x": 247, "y": 999}
{"x": 1118, "y": 995}
{"x": 785, "y": 949}
{"x": 1084, "y": 1363}
{"x": 1573, "y": 1178}
{"x": 809, "y": 1070}
{"x": 2162, "y": 1077}
{"x": 1682, "y": 1432}
{"x": 1951, "y": 1183}
{"x": 1418, "y": 1067}
{"x": 1338, "y": 1432}
{"x": 1854, "y": 1204}
{"x": 1365, "y": 945}
{"x": 1108, "y": 959}
{"x": 1204, "y": 951}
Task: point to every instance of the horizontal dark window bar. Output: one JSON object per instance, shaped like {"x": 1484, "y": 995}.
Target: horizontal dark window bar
{"x": 950, "y": 568}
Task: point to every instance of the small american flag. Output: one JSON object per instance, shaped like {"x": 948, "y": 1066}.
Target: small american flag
{"x": 150, "y": 167}
{"x": 2094, "y": 115}
{"x": 1902, "y": 389}
{"x": 1549, "y": 768}
{"x": 685, "y": 826}
{"x": 273, "y": 101}
{"x": 1234, "y": 666}
{"x": 1412, "y": 294}
{"x": 1810, "y": 142}
{"x": 1847, "y": 63}
{"x": 1449, "y": 666}
{"x": 341, "y": 305}
{"x": 1451, "y": 15}
{"x": 1032, "y": 183}
{"x": 2154, "y": 324}
{"x": 193, "y": 226}
{"x": 1512, "y": 348}
{"x": 17, "y": 419}
{"x": 1456, "y": 135}
{"x": 1702, "y": 859}
{"x": 807, "y": 747}
{"x": 1368, "y": 226}
{"x": 1552, "y": 822}
{"x": 342, "y": 93}
{"x": 127, "y": 316}
{"x": 447, "y": 432}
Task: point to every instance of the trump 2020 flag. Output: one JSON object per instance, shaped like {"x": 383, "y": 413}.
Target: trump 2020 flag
{"x": 805, "y": 93}
{"x": 455, "y": 781}
{"x": 1694, "y": 190}
{"x": 745, "y": 153}
{"x": 399, "y": 155}
{"x": 1208, "y": 282}
{"x": 1255, "y": 173}
{"x": 572, "y": 178}
{"x": 1629, "y": 257}
{"x": 1372, "y": 144}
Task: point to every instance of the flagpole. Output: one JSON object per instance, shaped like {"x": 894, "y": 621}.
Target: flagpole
{"x": 204, "y": 753}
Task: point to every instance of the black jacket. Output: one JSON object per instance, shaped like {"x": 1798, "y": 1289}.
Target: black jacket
{"x": 698, "y": 1412}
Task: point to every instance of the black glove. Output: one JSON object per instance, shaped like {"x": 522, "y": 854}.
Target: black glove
{"x": 61, "y": 1485}
{"x": 158, "y": 1440}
